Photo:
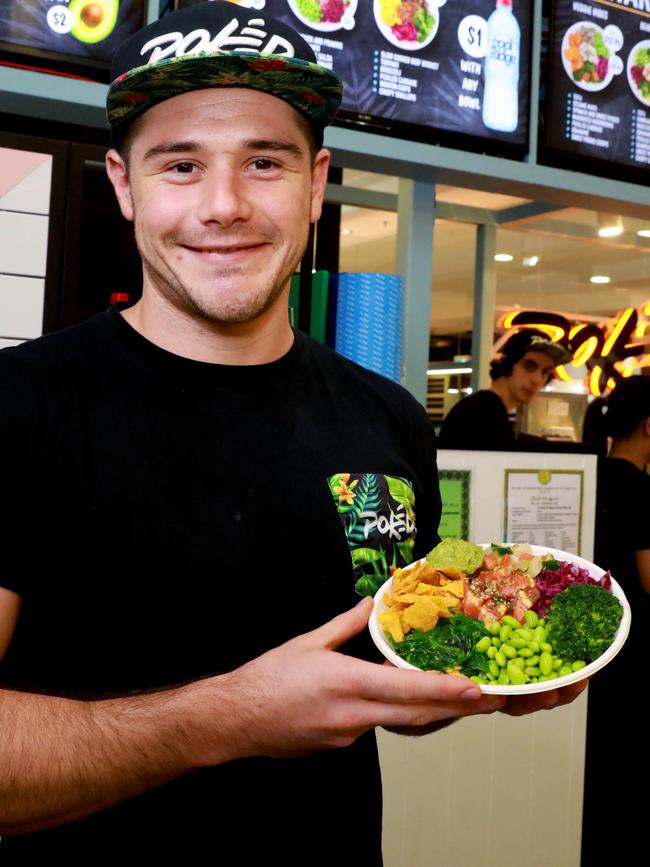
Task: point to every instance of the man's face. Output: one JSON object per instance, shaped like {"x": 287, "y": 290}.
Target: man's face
{"x": 529, "y": 374}
{"x": 221, "y": 187}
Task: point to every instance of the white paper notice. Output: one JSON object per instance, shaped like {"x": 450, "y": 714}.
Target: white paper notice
{"x": 544, "y": 507}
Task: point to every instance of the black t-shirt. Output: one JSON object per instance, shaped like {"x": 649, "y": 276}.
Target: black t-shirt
{"x": 622, "y": 525}
{"x": 615, "y": 714}
{"x": 171, "y": 519}
{"x": 481, "y": 417}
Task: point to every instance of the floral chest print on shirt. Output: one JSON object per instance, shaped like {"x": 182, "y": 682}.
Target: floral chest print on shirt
{"x": 378, "y": 516}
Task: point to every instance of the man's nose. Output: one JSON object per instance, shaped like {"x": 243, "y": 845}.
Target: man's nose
{"x": 224, "y": 197}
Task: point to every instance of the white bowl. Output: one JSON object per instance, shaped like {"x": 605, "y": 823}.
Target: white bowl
{"x": 378, "y": 637}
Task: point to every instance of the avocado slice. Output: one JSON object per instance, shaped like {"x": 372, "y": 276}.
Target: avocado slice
{"x": 94, "y": 20}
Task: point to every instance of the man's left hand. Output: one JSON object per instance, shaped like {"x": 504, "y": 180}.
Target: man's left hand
{"x": 520, "y": 705}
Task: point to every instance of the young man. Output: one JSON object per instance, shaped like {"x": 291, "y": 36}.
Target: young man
{"x": 524, "y": 366}
{"x": 184, "y": 476}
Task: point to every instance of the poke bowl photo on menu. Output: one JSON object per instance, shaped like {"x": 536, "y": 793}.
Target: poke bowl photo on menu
{"x": 638, "y": 71}
{"x": 325, "y": 14}
{"x": 589, "y": 55}
{"x": 407, "y": 24}
{"x": 515, "y": 618}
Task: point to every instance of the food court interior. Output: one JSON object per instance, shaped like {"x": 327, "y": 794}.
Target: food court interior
{"x": 475, "y": 238}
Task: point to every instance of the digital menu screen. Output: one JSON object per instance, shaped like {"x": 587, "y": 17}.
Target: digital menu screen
{"x": 599, "y": 85}
{"x": 89, "y": 31}
{"x": 445, "y": 71}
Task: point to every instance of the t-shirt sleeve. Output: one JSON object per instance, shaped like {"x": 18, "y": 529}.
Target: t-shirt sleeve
{"x": 639, "y": 537}
{"x": 429, "y": 510}
{"x": 17, "y": 468}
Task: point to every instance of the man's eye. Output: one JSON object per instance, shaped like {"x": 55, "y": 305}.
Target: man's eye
{"x": 263, "y": 164}
{"x": 185, "y": 168}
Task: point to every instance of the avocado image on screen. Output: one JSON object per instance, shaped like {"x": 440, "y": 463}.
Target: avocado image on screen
{"x": 94, "y": 20}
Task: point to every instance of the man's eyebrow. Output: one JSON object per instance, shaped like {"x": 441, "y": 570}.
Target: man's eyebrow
{"x": 172, "y": 147}
{"x": 265, "y": 144}
{"x": 262, "y": 144}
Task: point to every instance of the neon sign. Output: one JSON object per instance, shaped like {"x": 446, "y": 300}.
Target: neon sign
{"x": 609, "y": 353}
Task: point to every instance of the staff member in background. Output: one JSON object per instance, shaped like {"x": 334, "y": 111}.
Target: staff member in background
{"x": 617, "y": 757}
{"x": 525, "y": 365}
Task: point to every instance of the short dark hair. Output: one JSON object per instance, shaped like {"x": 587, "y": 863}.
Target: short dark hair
{"x": 627, "y": 407}
{"x": 519, "y": 344}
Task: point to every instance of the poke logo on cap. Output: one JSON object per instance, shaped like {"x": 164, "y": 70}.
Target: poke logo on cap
{"x": 250, "y": 39}
{"x": 537, "y": 338}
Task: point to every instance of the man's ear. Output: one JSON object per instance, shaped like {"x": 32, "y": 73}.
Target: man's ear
{"x": 119, "y": 176}
{"x": 318, "y": 183}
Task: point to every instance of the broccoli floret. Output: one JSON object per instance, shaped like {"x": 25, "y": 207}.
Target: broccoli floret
{"x": 583, "y": 620}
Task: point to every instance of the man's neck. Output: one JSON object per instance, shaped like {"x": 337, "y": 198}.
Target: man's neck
{"x": 633, "y": 450}
{"x": 266, "y": 339}
{"x": 500, "y": 387}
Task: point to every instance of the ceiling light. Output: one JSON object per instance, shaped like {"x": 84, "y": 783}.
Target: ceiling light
{"x": 503, "y": 257}
{"x": 346, "y": 231}
{"x": 644, "y": 233}
{"x": 609, "y": 226}
{"x": 440, "y": 371}
{"x": 530, "y": 261}
{"x": 599, "y": 278}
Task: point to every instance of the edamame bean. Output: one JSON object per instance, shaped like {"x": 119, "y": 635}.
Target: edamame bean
{"x": 494, "y": 627}
{"x": 525, "y": 651}
{"x": 503, "y": 679}
{"x": 546, "y": 663}
{"x": 531, "y": 618}
{"x": 505, "y": 632}
{"x": 515, "y": 674}
{"x": 496, "y": 642}
{"x": 517, "y": 642}
{"x": 493, "y": 668}
{"x": 532, "y": 671}
{"x": 491, "y": 652}
{"x": 546, "y": 647}
{"x": 539, "y": 635}
{"x": 500, "y": 658}
{"x": 564, "y": 670}
{"x": 483, "y": 644}
{"x": 508, "y": 651}
{"x": 578, "y": 664}
{"x": 519, "y": 662}
{"x": 534, "y": 646}
{"x": 510, "y": 621}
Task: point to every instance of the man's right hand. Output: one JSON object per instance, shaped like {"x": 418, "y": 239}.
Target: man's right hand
{"x": 61, "y": 759}
{"x": 305, "y": 695}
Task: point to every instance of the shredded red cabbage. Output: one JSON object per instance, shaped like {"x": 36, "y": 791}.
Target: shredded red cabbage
{"x": 550, "y": 583}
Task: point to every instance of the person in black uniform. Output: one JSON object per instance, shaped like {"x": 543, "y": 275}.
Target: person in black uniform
{"x": 524, "y": 366}
{"x": 615, "y": 779}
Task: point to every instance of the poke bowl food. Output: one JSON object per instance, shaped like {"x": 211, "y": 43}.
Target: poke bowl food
{"x": 586, "y": 58}
{"x": 407, "y": 24}
{"x": 514, "y": 618}
{"x": 638, "y": 71}
{"x": 325, "y": 14}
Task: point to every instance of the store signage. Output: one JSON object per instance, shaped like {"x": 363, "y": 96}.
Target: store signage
{"x": 460, "y": 67}
{"x": 90, "y": 32}
{"x": 599, "y": 105}
{"x": 609, "y": 352}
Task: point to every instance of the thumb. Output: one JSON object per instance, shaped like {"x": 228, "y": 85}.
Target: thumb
{"x": 345, "y": 626}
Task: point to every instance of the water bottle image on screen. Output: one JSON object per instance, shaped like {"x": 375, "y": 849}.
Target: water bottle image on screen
{"x": 501, "y": 94}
